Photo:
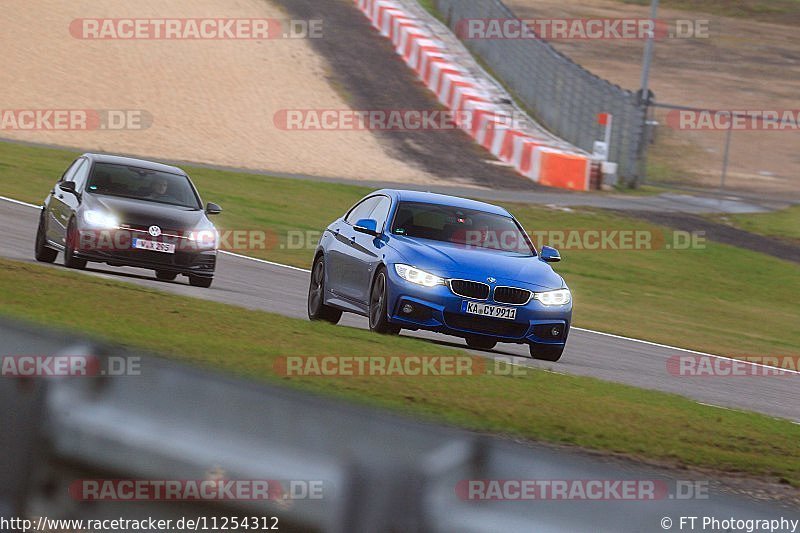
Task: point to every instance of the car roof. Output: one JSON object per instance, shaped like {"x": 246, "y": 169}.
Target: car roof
{"x": 133, "y": 162}
{"x": 443, "y": 199}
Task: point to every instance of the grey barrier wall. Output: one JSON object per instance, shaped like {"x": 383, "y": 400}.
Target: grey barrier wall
{"x": 563, "y": 96}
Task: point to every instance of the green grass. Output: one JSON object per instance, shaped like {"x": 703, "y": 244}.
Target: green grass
{"x": 537, "y": 405}
{"x": 709, "y": 295}
{"x": 430, "y": 7}
{"x": 783, "y": 224}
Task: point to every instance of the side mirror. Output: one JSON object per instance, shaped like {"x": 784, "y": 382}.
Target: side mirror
{"x": 213, "y": 209}
{"x": 68, "y": 186}
{"x": 549, "y": 255}
{"x": 368, "y": 226}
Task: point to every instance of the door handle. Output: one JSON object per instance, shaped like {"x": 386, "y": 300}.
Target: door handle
{"x": 60, "y": 196}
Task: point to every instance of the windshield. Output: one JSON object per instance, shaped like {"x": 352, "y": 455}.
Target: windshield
{"x": 466, "y": 227}
{"x": 142, "y": 184}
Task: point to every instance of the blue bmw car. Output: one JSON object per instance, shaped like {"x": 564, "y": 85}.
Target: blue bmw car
{"x": 415, "y": 260}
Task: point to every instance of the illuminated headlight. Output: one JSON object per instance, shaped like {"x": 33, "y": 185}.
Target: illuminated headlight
{"x": 206, "y": 237}
{"x": 420, "y": 277}
{"x": 100, "y": 219}
{"x": 558, "y": 297}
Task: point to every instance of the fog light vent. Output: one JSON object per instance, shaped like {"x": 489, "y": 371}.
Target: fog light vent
{"x": 549, "y": 331}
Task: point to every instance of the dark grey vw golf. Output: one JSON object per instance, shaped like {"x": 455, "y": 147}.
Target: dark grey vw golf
{"x": 129, "y": 212}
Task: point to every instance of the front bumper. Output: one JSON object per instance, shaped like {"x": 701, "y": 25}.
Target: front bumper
{"x": 195, "y": 263}
{"x": 438, "y": 309}
{"x": 114, "y": 248}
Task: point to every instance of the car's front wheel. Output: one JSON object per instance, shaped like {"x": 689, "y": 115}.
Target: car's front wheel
{"x": 166, "y": 276}
{"x": 43, "y": 253}
{"x": 481, "y": 343}
{"x": 317, "y": 310}
{"x": 546, "y": 352}
{"x": 378, "y": 302}
{"x": 73, "y": 238}
{"x": 200, "y": 281}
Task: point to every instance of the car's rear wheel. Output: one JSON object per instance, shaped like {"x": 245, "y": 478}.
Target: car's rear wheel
{"x": 546, "y": 352}
{"x": 166, "y": 276}
{"x": 317, "y": 310}
{"x": 200, "y": 281}
{"x": 481, "y": 343}
{"x": 43, "y": 253}
{"x": 70, "y": 261}
{"x": 378, "y": 301}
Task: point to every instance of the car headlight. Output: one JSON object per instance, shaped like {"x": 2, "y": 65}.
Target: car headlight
{"x": 206, "y": 237}
{"x": 557, "y": 297}
{"x": 100, "y": 219}
{"x": 415, "y": 275}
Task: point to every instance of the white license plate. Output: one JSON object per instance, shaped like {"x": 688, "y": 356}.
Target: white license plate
{"x": 494, "y": 311}
{"x": 167, "y": 248}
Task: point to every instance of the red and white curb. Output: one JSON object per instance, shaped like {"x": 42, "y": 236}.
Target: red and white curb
{"x": 529, "y": 152}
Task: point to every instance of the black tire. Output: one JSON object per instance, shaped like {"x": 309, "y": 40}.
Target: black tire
{"x": 317, "y": 310}
{"x": 481, "y": 343}
{"x": 201, "y": 281}
{"x": 43, "y": 253}
{"x": 546, "y": 352}
{"x": 378, "y": 300}
{"x": 70, "y": 261}
{"x": 166, "y": 276}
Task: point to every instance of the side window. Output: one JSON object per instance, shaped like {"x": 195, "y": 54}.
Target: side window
{"x": 362, "y": 210}
{"x": 80, "y": 176}
{"x": 381, "y": 211}
{"x": 67, "y": 175}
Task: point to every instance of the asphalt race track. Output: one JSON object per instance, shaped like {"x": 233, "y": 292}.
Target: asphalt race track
{"x": 266, "y": 286}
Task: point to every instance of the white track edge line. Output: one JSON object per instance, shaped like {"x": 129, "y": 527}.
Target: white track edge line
{"x": 290, "y": 267}
{"x": 621, "y": 337}
{"x": 19, "y": 202}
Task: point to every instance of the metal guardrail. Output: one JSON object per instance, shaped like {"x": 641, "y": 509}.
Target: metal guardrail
{"x": 563, "y": 96}
{"x": 380, "y": 472}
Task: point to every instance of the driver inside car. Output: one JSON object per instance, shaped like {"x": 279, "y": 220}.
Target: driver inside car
{"x": 160, "y": 190}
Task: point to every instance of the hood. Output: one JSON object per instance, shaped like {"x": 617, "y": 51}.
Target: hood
{"x": 456, "y": 261}
{"x": 144, "y": 213}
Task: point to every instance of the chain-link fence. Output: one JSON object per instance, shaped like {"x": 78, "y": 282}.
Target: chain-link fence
{"x": 563, "y": 96}
{"x": 738, "y": 150}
